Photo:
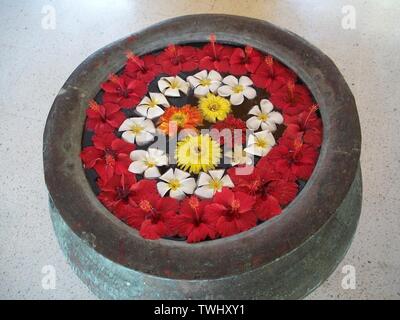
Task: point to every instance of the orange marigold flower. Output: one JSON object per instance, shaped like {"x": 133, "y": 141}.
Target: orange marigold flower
{"x": 186, "y": 117}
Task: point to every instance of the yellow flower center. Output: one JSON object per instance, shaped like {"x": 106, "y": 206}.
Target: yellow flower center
{"x": 261, "y": 143}
{"x": 145, "y": 206}
{"x": 263, "y": 117}
{"x": 149, "y": 163}
{"x": 179, "y": 118}
{"x": 174, "y": 184}
{"x": 198, "y": 153}
{"x": 153, "y": 103}
{"x": 174, "y": 84}
{"x": 215, "y": 185}
{"x": 205, "y": 82}
{"x": 235, "y": 205}
{"x": 136, "y": 129}
{"x": 214, "y": 107}
{"x": 238, "y": 88}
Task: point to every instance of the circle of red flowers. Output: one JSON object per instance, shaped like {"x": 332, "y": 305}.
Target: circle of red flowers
{"x": 257, "y": 197}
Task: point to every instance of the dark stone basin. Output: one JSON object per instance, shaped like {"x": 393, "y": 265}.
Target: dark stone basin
{"x": 286, "y": 257}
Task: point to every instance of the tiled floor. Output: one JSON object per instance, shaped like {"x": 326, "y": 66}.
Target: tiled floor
{"x": 35, "y": 62}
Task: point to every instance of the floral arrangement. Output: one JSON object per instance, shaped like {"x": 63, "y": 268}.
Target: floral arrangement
{"x": 198, "y": 143}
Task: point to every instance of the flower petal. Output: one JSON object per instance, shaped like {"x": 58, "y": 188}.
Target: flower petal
{"x": 138, "y": 155}
{"x": 253, "y": 123}
{"x": 213, "y": 87}
{"x": 268, "y": 126}
{"x": 129, "y": 136}
{"x": 188, "y": 185}
{"x": 169, "y": 92}
{"x": 149, "y": 126}
{"x": 177, "y": 194}
{"x": 154, "y": 112}
{"x": 216, "y": 174}
{"x": 155, "y": 153}
{"x": 152, "y": 173}
{"x": 201, "y": 91}
{"x": 256, "y": 111}
{"x": 214, "y": 75}
{"x": 162, "y": 160}
{"x": 251, "y": 140}
{"x": 268, "y": 136}
{"x": 205, "y": 192}
{"x": 201, "y": 75}
{"x": 227, "y": 182}
{"x": 142, "y": 110}
{"x": 160, "y": 98}
{"x": 126, "y": 125}
{"x": 143, "y": 138}
{"x": 266, "y": 106}
{"x": 250, "y": 93}
{"x": 204, "y": 179}
{"x": 237, "y": 99}
{"x": 245, "y": 81}
{"x": 253, "y": 149}
{"x": 180, "y": 174}
{"x": 194, "y": 82}
{"x": 137, "y": 167}
{"x": 231, "y": 81}
{"x": 163, "y": 84}
{"x": 163, "y": 188}
{"x": 168, "y": 176}
{"x": 225, "y": 91}
{"x": 276, "y": 117}
{"x": 145, "y": 101}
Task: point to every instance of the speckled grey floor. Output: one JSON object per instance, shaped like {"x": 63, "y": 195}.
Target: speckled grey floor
{"x": 35, "y": 62}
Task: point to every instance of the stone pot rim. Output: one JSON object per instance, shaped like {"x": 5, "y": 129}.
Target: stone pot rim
{"x": 313, "y": 207}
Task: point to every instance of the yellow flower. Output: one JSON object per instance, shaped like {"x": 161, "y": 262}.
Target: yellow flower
{"x": 197, "y": 153}
{"x": 214, "y": 107}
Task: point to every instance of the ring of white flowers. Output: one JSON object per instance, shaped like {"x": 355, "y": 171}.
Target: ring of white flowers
{"x": 178, "y": 183}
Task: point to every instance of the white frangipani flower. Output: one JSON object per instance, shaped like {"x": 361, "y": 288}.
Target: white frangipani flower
{"x": 173, "y": 86}
{"x": 139, "y": 130}
{"x": 260, "y": 143}
{"x": 177, "y": 182}
{"x": 238, "y": 156}
{"x": 147, "y": 162}
{"x": 237, "y": 90}
{"x": 264, "y": 117}
{"x": 205, "y": 82}
{"x": 211, "y": 183}
{"x": 150, "y": 107}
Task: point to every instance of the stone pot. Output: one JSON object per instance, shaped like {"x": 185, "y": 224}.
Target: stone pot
{"x": 284, "y": 258}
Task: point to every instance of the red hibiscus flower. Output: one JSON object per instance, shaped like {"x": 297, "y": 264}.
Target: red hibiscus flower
{"x": 233, "y": 211}
{"x": 177, "y": 59}
{"x": 292, "y": 98}
{"x": 214, "y": 56}
{"x": 103, "y": 118}
{"x": 307, "y": 125}
{"x": 271, "y": 75}
{"x": 193, "y": 222}
{"x": 116, "y": 193}
{"x": 153, "y": 216}
{"x": 270, "y": 190}
{"x": 235, "y": 126}
{"x": 108, "y": 155}
{"x": 123, "y": 91}
{"x": 243, "y": 61}
{"x": 293, "y": 158}
{"x": 145, "y": 68}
